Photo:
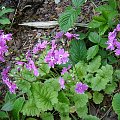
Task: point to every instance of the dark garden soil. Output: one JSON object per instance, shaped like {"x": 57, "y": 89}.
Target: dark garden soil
{"x": 25, "y": 37}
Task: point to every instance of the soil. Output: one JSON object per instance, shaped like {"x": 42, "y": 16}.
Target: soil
{"x": 24, "y": 38}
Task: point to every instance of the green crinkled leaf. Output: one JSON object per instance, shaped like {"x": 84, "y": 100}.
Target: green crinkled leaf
{"x": 4, "y": 21}
{"x": 46, "y": 116}
{"x": 104, "y": 8}
{"x": 100, "y": 19}
{"x": 103, "y": 28}
{"x": 113, "y": 3}
{"x": 65, "y": 116}
{"x": 24, "y": 86}
{"x": 88, "y": 77}
{"x": 44, "y": 96}
{"x": 80, "y": 100}
{"x": 17, "y": 108}
{"x": 82, "y": 35}
{"x": 92, "y": 51}
{"x": 44, "y": 69}
{"x": 97, "y": 97}
{"x": 103, "y": 42}
{"x": 79, "y": 50}
{"x": 101, "y": 79}
{"x": 110, "y": 88}
{"x": 94, "y": 64}
{"x": 62, "y": 107}
{"x": 94, "y": 37}
{"x": 112, "y": 59}
{"x": 67, "y": 76}
{"x": 94, "y": 24}
{"x": 116, "y": 103}
{"x": 117, "y": 75}
{"x": 28, "y": 75}
{"x": 82, "y": 111}
{"x": 68, "y": 18}
{"x": 54, "y": 82}
{"x": 78, "y": 3}
{"x": 6, "y": 10}
{"x": 9, "y": 97}
{"x": 30, "y": 108}
{"x": 3, "y": 115}
{"x": 7, "y": 106}
{"x": 80, "y": 69}
{"x": 90, "y": 117}
{"x": 62, "y": 98}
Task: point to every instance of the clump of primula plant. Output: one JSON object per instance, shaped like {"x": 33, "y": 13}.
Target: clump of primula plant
{"x": 65, "y": 74}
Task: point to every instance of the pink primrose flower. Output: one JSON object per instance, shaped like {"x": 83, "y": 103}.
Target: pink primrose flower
{"x": 81, "y": 88}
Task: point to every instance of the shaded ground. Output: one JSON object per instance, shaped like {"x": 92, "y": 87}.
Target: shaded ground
{"x": 25, "y": 37}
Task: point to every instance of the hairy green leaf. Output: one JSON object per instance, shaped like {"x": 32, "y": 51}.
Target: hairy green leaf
{"x": 78, "y": 3}
{"x": 116, "y": 103}
{"x": 44, "y": 96}
{"x": 9, "y": 97}
{"x": 65, "y": 116}
{"x": 97, "y": 97}
{"x": 54, "y": 82}
{"x": 103, "y": 42}
{"x": 23, "y": 85}
{"x": 30, "y": 108}
{"x": 104, "y": 8}
{"x": 62, "y": 107}
{"x": 80, "y": 69}
{"x": 82, "y": 111}
{"x": 92, "y": 51}
{"x": 7, "y": 106}
{"x": 44, "y": 69}
{"x": 62, "y": 98}
{"x": 94, "y": 37}
{"x": 17, "y": 108}
{"x": 101, "y": 79}
{"x": 80, "y": 100}
{"x": 94, "y": 64}
{"x": 110, "y": 88}
{"x": 46, "y": 116}
{"x": 113, "y": 3}
{"x": 3, "y": 115}
{"x": 68, "y": 18}
{"x": 28, "y": 75}
{"x": 103, "y": 28}
{"x": 6, "y": 10}
{"x": 77, "y": 51}
{"x": 4, "y": 21}
{"x": 94, "y": 24}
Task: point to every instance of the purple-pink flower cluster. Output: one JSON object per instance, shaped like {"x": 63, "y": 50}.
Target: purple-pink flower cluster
{"x": 65, "y": 70}
{"x": 56, "y": 56}
{"x": 69, "y": 35}
{"x": 62, "y": 83}
{"x": 30, "y": 65}
{"x": 5, "y": 77}
{"x": 40, "y": 46}
{"x": 3, "y": 44}
{"x": 81, "y": 88}
{"x": 113, "y": 42}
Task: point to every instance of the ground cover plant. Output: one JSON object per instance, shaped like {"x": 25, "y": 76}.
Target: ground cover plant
{"x": 59, "y": 78}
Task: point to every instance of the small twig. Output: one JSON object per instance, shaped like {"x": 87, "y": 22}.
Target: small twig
{"x": 15, "y": 13}
{"x": 106, "y": 113}
{"x": 73, "y": 116}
